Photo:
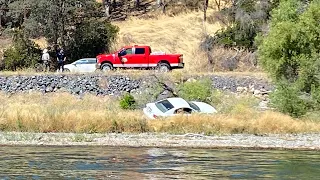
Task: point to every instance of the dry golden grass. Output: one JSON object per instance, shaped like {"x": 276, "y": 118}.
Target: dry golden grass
{"x": 177, "y": 34}
{"x": 63, "y": 112}
{"x": 244, "y": 122}
{"x": 41, "y": 42}
{"x": 183, "y": 34}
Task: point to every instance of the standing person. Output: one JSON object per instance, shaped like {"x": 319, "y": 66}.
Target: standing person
{"x": 61, "y": 58}
{"x": 45, "y": 59}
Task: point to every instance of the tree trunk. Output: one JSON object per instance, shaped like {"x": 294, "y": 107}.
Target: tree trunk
{"x": 106, "y": 4}
{"x": 205, "y": 7}
{"x": 164, "y": 8}
{"x": 0, "y": 19}
{"x": 218, "y": 3}
{"x": 164, "y": 5}
{"x": 159, "y": 3}
{"x": 137, "y": 3}
{"x": 63, "y": 23}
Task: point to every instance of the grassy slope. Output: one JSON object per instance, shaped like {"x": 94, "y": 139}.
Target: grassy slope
{"x": 33, "y": 112}
{"x": 178, "y": 34}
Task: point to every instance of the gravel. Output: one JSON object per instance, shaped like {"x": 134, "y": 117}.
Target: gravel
{"x": 247, "y": 141}
{"x": 112, "y": 84}
{"x": 74, "y": 84}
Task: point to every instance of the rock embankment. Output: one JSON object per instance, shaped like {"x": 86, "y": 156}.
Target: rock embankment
{"x": 115, "y": 84}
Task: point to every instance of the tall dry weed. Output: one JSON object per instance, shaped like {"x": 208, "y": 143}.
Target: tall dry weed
{"x": 62, "y": 112}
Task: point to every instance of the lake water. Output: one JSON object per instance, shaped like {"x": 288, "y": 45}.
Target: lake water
{"x": 155, "y": 163}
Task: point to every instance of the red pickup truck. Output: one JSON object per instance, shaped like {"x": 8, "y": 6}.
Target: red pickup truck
{"x": 139, "y": 57}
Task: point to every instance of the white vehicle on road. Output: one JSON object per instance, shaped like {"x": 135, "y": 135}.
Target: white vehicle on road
{"x": 82, "y": 65}
{"x": 173, "y": 106}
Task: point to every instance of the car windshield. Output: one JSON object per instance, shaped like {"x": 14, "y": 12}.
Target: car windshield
{"x": 164, "y": 106}
{"x": 194, "y": 106}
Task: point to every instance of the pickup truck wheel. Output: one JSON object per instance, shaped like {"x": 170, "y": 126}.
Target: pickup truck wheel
{"x": 106, "y": 67}
{"x": 163, "y": 67}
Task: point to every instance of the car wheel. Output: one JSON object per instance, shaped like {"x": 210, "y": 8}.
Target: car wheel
{"x": 66, "y": 70}
{"x": 106, "y": 67}
{"x": 164, "y": 67}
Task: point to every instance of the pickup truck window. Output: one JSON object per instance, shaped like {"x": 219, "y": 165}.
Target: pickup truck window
{"x": 140, "y": 51}
{"x": 129, "y": 51}
{"x": 126, "y": 51}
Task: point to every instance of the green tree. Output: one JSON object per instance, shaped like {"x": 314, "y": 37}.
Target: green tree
{"x": 55, "y": 19}
{"x": 22, "y": 54}
{"x": 90, "y": 38}
{"x": 291, "y": 49}
{"x": 244, "y": 19}
{"x": 290, "y": 52}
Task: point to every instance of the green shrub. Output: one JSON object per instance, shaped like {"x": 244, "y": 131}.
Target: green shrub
{"x": 287, "y": 99}
{"x": 197, "y": 90}
{"x": 91, "y": 37}
{"x": 127, "y": 101}
{"x": 290, "y": 52}
{"x": 23, "y": 54}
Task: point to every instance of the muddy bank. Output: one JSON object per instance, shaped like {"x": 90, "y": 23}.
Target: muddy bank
{"x": 274, "y": 141}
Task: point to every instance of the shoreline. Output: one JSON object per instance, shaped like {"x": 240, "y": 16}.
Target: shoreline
{"x": 163, "y": 140}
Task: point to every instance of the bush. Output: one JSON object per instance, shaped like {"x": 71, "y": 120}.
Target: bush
{"x": 246, "y": 19}
{"x": 290, "y": 52}
{"x": 127, "y": 101}
{"x": 287, "y": 99}
{"x": 91, "y": 37}
{"x": 23, "y": 54}
{"x": 197, "y": 90}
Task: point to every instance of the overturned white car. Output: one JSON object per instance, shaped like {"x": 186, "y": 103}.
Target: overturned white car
{"x": 173, "y": 106}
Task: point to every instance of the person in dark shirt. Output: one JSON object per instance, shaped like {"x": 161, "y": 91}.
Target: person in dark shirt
{"x": 61, "y": 58}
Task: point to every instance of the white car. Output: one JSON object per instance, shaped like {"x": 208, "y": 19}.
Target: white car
{"x": 174, "y": 106}
{"x": 81, "y": 65}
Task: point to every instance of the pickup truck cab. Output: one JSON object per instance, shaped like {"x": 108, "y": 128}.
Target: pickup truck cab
{"x": 139, "y": 57}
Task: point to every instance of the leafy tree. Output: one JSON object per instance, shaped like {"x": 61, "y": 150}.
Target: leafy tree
{"x": 54, "y": 19}
{"x": 77, "y": 26}
{"x": 244, "y": 19}
{"x": 90, "y": 38}
{"x": 291, "y": 49}
{"x": 290, "y": 52}
{"x": 24, "y": 53}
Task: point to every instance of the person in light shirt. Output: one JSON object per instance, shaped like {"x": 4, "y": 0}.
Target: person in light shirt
{"x": 46, "y": 59}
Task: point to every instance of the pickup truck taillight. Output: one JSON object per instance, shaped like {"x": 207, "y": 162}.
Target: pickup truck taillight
{"x": 181, "y": 59}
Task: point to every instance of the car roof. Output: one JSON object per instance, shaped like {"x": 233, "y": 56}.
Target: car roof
{"x": 87, "y": 59}
{"x": 178, "y": 102}
{"x": 136, "y": 46}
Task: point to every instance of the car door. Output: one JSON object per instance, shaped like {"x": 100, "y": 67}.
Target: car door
{"x": 140, "y": 57}
{"x": 126, "y": 58}
{"x": 81, "y": 65}
{"x": 91, "y": 66}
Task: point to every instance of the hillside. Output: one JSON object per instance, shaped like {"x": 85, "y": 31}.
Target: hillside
{"x": 178, "y": 34}
{"x": 180, "y": 30}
